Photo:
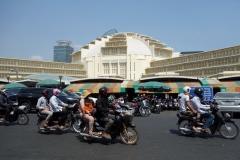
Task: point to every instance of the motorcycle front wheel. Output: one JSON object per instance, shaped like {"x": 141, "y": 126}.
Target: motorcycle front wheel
{"x": 229, "y": 130}
{"x": 129, "y": 135}
{"x": 42, "y": 129}
{"x": 22, "y": 119}
{"x": 184, "y": 128}
{"x": 143, "y": 112}
{"x": 85, "y": 129}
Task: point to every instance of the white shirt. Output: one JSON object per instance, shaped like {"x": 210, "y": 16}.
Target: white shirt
{"x": 196, "y": 104}
{"x": 42, "y": 103}
{"x": 182, "y": 102}
{"x": 56, "y": 104}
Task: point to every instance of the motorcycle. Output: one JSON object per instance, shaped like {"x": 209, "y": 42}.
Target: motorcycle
{"x": 156, "y": 107}
{"x": 72, "y": 120}
{"x": 17, "y": 114}
{"x": 164, "y": 105}
{"x": 175, "y": 104}
{"x": 221, "y": 123}
{"x": 122, "y": 127}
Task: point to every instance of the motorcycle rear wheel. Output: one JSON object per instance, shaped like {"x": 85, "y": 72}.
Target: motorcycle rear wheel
{"x": 76, "y": 126}
{"x": 22, "y": 119}
{"x": 186, "y": 125}
{"x": 127, "y": 135}
{"x": 229, "y": 130}
{"x": 40, "y": 126}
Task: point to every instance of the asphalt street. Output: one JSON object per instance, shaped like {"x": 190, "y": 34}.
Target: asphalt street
{"x": 159, "y": 139}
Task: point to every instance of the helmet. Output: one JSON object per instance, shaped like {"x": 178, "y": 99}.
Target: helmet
{"x": 186, "y": 89}
{"x": 198, "y": 92}
{"x": 56, "y": 91}
{"x": 44, "y": 92}
{"x": 103, "y": 91}
{"x": 4, "y": 91}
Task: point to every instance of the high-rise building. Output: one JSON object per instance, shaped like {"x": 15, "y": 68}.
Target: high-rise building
{"x": 62, "y": 52}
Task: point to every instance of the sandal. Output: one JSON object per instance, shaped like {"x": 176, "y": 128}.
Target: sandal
{"x": 46, "y": 126}
{"x": 206, "y": 131}
{"x": 194, "y": 129}
{"x": 90, "y": 133}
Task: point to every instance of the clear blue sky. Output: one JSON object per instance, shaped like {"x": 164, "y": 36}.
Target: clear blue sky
{"x": 29, "y": 29}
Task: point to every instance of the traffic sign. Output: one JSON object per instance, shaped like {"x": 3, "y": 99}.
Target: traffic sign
{"x": 207, "y": 92}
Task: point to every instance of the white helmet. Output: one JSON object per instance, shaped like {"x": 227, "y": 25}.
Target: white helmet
{"x": 186, "y": 89}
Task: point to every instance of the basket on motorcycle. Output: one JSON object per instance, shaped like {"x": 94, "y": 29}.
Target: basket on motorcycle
{"x": 128, "y": 118}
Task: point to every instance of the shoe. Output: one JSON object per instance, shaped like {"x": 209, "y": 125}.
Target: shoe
{"x": 6, "y": 121}
{"x": 107, "y": 136}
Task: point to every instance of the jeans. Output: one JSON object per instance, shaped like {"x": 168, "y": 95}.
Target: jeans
{"x": 109, "y": 120}
{"x": 209, "y": 120}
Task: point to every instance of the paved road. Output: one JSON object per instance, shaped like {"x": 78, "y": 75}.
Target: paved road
{"x": 159, "y": 139}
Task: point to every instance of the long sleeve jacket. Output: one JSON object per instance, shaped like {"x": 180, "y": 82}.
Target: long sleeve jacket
{"x": 3, "y": 101}
{"x": 102, "y": 106}
{"x": 56, "y": 104}
{"x": 42, "y": 103}
{"x": 196, "y": 104}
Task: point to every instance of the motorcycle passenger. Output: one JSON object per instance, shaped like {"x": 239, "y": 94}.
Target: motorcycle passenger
{"x": 44, "y": 108}
{"x": 196, "y": 103}
{"x": 57, "y": 107}
{"x": 103, "y": 112}
{"x": 186, "y": 108}
{"x": 85, "y": 96}
{"x": 4, "y": 104}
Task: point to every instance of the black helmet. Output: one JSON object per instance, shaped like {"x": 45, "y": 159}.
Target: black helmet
{"x": 198, "y": 92}
{"x": 45, "y": 92}
{"x": 103, "y": 91}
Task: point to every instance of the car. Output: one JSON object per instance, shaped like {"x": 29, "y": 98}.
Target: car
{"x": 71, "y": 94}
{"x": 78, "y": 93}
{"x": 228, "y": 101}
{"x": 29, "y": 96}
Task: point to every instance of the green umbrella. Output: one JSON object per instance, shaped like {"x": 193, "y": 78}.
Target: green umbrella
{"x": 14, "y": 85}
{"x": 48, "y": 82}
{"x": 154, "y": 87}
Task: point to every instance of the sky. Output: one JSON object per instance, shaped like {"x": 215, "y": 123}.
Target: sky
{"x": 29, "y": 29}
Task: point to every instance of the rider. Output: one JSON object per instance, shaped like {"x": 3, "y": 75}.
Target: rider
{"x": 186, "y": 108}
{"x": 44, "y": 108}
{"x": 196, "y": 103}
{"x": 57, "y": 107}
{"x": 85, "y": 96}
{"x": 103, "y": 112}
{"x": 5, "y": 105}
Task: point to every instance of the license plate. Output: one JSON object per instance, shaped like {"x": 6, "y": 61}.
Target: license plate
{"x": 228, "y": 103}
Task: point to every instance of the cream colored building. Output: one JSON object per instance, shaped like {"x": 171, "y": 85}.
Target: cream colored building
{"x": 213, "y": 64}
{"x": 121, "y": 55}
{"x": 21, "y": 68}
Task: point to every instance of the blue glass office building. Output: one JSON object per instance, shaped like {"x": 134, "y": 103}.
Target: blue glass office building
{"x": 62, "y": 52}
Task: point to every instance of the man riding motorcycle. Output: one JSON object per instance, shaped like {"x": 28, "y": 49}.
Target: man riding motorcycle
{"x": 196, "y": 104}
{"x": 57, "y": 107}
{"x": 186, "y": 108}
{"x": 103, "y": 112}
{"x": 4, "y": 104}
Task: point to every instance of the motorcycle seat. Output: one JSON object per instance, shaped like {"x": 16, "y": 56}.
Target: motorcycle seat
{"x": 181, "y": 115}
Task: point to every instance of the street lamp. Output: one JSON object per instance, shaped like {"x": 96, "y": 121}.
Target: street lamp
{"x": 8, "y": 77}
{"x": 12, "y": 70}
{"x": 60, "y": 77}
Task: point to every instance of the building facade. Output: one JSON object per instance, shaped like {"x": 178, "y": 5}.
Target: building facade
{"x": 62, "y": 52}
{"x": 121, "y": 55}
{"x": 21, "y": 68}
{"x": 213, "y": 64}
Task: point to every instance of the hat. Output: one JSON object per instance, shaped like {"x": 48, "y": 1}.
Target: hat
{"x": 85, "y": 93}
{"x": 4, "y": 90}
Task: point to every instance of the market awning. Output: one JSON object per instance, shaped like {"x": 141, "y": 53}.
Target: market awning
{"x": 130, "y": 84}
{"x": 230, "y": 86}
{"x": 210, "y": 82}
{"x": 177, "y": 87}
{"x": 94, "y": 87}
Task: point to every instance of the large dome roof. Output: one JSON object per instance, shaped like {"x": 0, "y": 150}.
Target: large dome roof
{"x": 135, "y": 46}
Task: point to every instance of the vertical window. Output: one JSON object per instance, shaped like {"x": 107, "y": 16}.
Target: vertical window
{"x": 122, "y": 65}
{"x": 114, "y": 71}
{"x": 114, "y": 50}
{"x": 114, "y": 65}
{"x": 122, "y": 71}
{"x": 105, "y": 65}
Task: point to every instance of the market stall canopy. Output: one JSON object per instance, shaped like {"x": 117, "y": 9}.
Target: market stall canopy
{"x": 14, "y": 85}
{"x": 48, "y": 83}
{"x": 154, "y": 86}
